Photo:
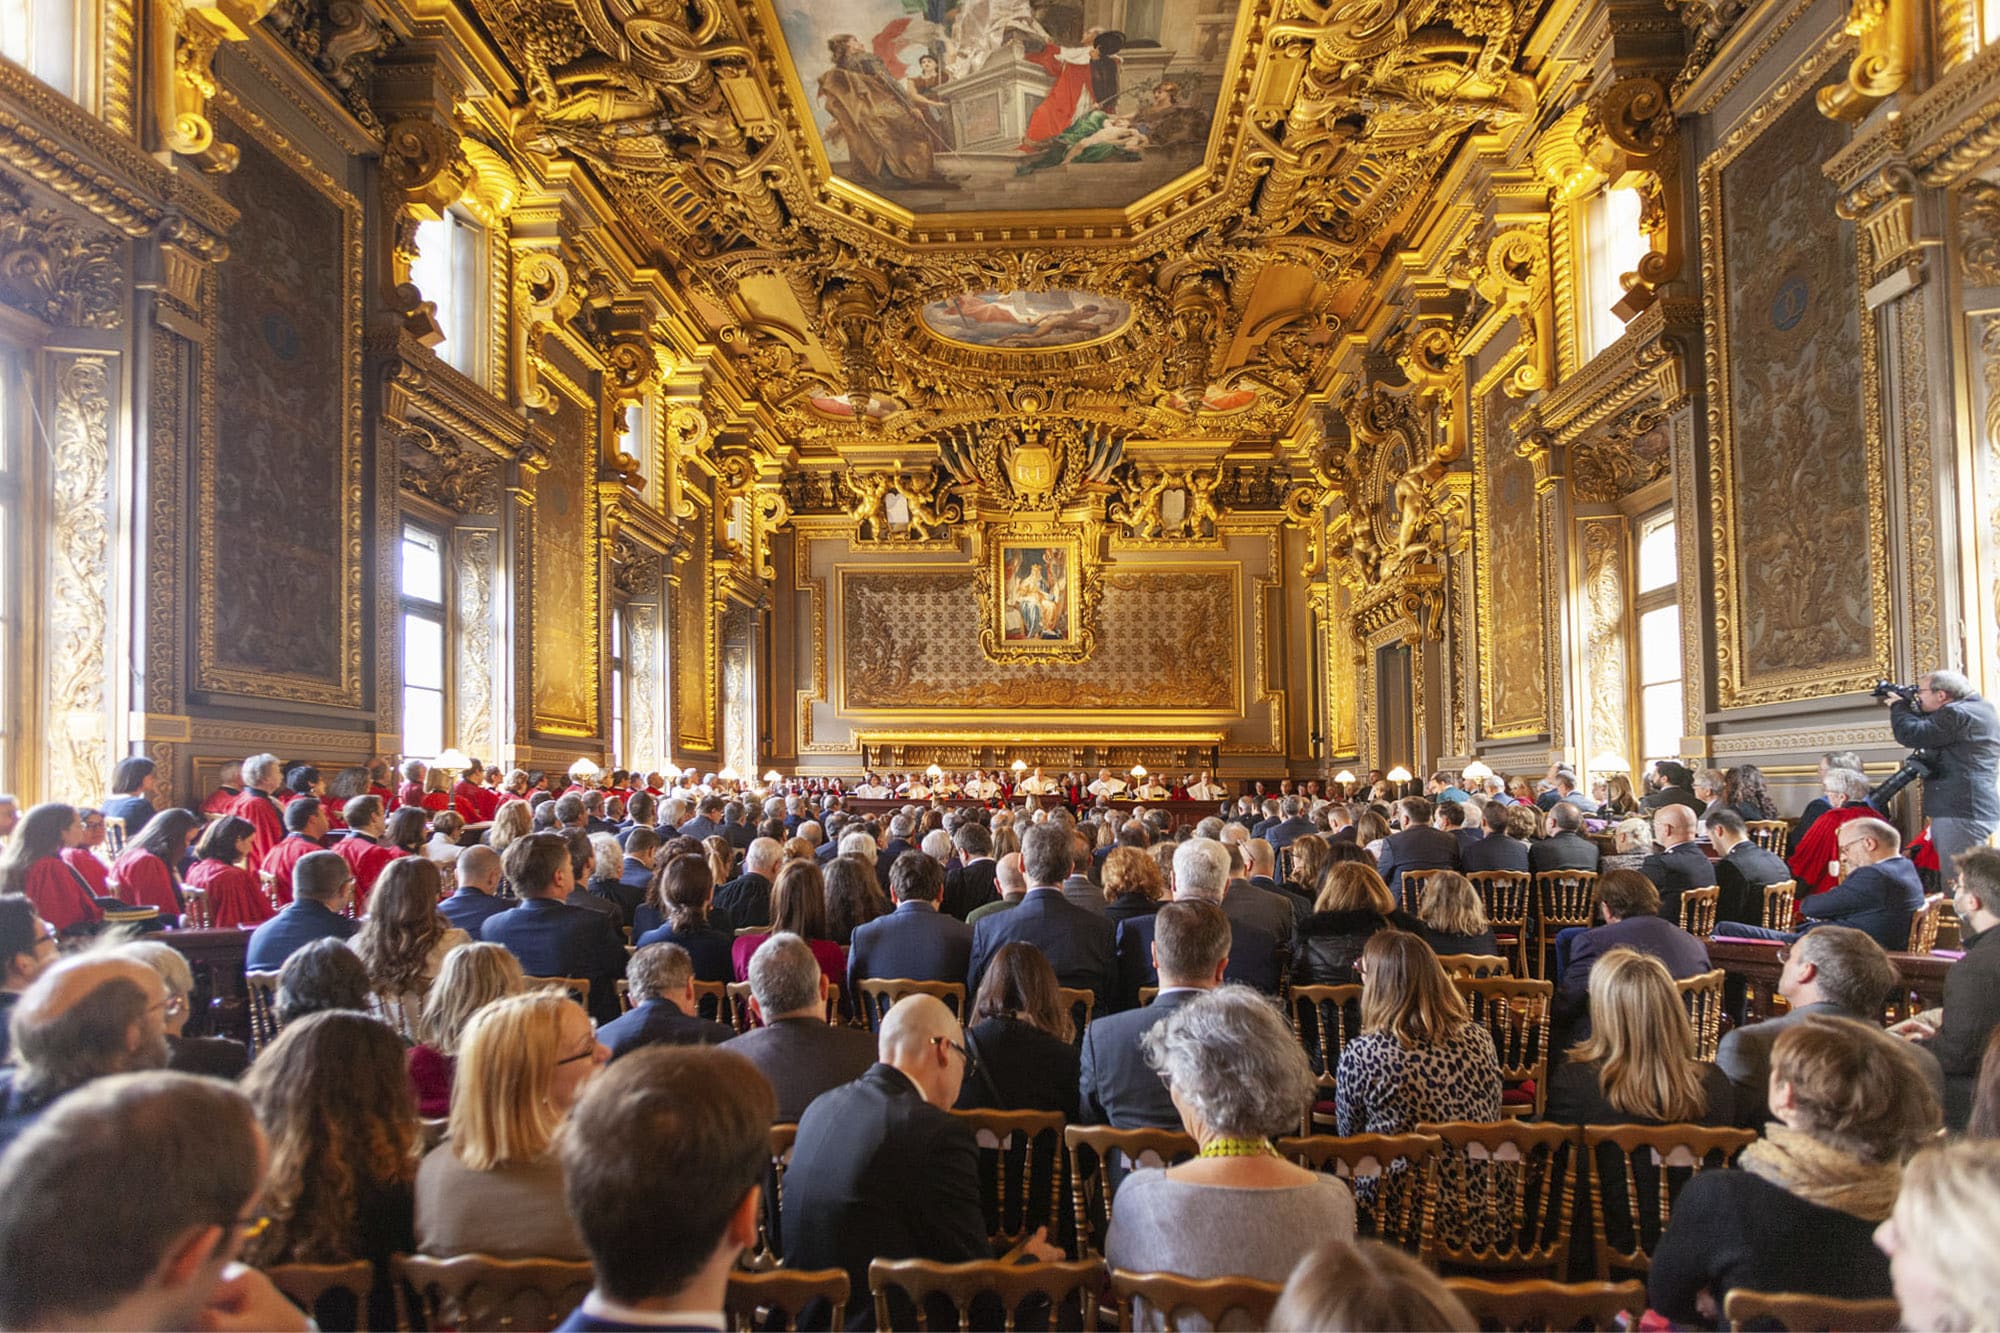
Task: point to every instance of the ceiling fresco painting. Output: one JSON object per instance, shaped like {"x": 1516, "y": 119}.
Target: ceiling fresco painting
{"x": 1026, "y": 319}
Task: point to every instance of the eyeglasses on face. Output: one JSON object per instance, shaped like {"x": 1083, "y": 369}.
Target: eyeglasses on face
{"x": 971, "y": 1063}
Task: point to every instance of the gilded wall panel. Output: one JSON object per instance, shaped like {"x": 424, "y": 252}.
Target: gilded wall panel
{"x": 1606, "y": 668}
{"x": 1795, "y": 434}
{"x": 912, "y": 641}
{"x": 693, "y": 647}
{"x": 1513, "y": 698}
{"x": 279, "y": 498}
{"x": 565, "y": 554}
{"x": 1342, "y": 674}
{"x": 80, "y": 576}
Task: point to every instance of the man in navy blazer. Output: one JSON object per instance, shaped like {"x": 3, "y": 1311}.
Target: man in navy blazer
{"x": 1450, "y": 816}
{"x": 1495, "y": 851}
{"x": 973, "y": 882}
{"x": 1878, "y": 897}
{"x": 322, "y": 888}
{"x": 1630, "y": 906}
{"x": 1565, "y": 848}
{"x": 747, "y": 898}
{"x": 1291, "y": 826}
{"x": 478, "y": 897}
{"x": 1416, "y": 846}
{"x": 1201, "y": 873}
{"x": 660, "y": 980}
{"x": 550, "y": 937}
{"x": 916, "y": 942}
{"x": 1680, "y": 864}
{"x": 1080, "y": 945}
{"x": 1115, "y": 1085}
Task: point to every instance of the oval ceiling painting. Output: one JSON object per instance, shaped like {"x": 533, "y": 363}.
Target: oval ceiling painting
{"x": 1027, "y": 321}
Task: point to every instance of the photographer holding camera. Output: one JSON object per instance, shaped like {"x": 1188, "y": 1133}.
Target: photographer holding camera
{"x": 1960, "y": 735}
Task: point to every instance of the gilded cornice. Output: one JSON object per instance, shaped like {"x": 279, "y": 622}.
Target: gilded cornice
{"x": 416, "y": 381}
{"x": 1650, "y": 364}
{"x": 1955, "y": 125}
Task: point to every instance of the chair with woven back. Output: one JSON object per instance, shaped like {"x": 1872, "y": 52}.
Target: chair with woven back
{"x": 304, "y": 1284}
{"x": 1325, "y": 1018}
{"x": 1703, "y": 996}
{"x": 1169, "y": 1297}
{"x": 1770, "y": 834}
{"x": 1509, "y": 897}
{"x": 1563, "y": 898}
{"x": 1804, "y": 1312}
{"x": 400, "y": 1012}
{"x": 1506, "y": 1195}
{"x": 1091, "y": 1150}
{"x": 1778, "y": 903}
{"x": 1538, "y": 1304}
{"x": 779, "y": 1296}
{"x": 1517, "y": 1013}
{"x": 1411, "y": 887}
{"x": 261, "y": 989}
{"x": 768, "y": 1253}
{"x": 1924, "y": 925}
{"x": 1020, "y": 1172}
{"x": 986, "y": 1293}
{"x": 1393, "y": 1176}
{"x": 1636, "y": 1173}
{"x": 1474, "y": 965}
{"x": 485, "y": 1292}
{"x": 194, "y": 908}
{"x": 878, "y": 993}
{"x": 1698, "y": 909}
{"x": 624, "y": 990}
{"x": 735, "y": 1006}
{"x": 578, "y": 987}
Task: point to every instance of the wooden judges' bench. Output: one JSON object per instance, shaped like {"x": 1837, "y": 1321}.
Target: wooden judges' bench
{"x": 1755, "y": 964}
{"x": 220, "y": 1005}
{"x": 1182, "y": 813}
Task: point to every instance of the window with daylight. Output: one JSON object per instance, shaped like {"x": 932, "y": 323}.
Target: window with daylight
{"x": 618, "y": 687}
{"x": 450, "y": 271}
{"x": 41, "y": 37}
{"x": 1613, "y": 245}
{"x": 1659, "y": 611}
{"x": 637, "y": 443}
{"x": 425, "y": 669}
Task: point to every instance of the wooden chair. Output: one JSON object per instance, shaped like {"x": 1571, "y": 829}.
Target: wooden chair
{"x": 1698, "y": 909}
{"x": 878, "y": 993}
{"x": 398, "y": 1012}
{"x": 1770, "y": 834}
{"x": 1325, "y": 1018}
{"x": 1214, "y": 1299}
{"x": 1506, "y": 1194}
{"x": 1540, "y": 1304}
{"x": 578, "y": 987}
{"x": 1020, "y": 1172}
{"x": 1563, "y": 898}
{"x": 1518, "y": 1015}
{"x": 1703, "y": 997}
{"x": 480, "y": 1291}
{"x": 1472, "y": 966}
{"x": 624, "y": 989}
{"x": 1069, "y": 1287}
{"x": 1080, "y": 1002}
{"x": 1090, "y": 1148}
{"x": 768, "y": 1252}
{"x": 755, "y": 1298}
{"x": 1796, "y": 1310}
{"x": 1509, "y": 898}
{"x": 262, "y": 990}
{"x": 1412, "y": 887}
{"x": 1924, "y": 925}
{"x": 1647, "y": 1165}
{"x": 1393, "y": 1176}
{"x": 711, "y": 1001}
{"x": 1778, "y": 902}
{"x": 304, "y": 1284}
{"x": 194, "y": 908}
{"x": 1147, "y": 994}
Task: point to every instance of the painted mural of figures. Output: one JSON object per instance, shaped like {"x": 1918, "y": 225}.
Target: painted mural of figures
{"x": 924, "y": 86}
{"x": 1086, "y": 79}
{"x": 982, "y": 27}
{"x": 889, "y": 140}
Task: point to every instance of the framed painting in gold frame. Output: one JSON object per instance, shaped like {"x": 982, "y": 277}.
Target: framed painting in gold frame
{"x": 1039, "y": 596}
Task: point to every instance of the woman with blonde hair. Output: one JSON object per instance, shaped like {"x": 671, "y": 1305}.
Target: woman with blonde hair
{"x": 494, "y": 1186}
{"x": 1365, "y": 1285}
{"x": 1352, "y": 905}
{"x": 1133, "y": 884}
{"x": 1940, "y": 1238}
{"x": 721, "y": 854}
{"x": 1618, "y": 798}
{"x": 405, "y": 939}
{"x": 511, "y": 821}
{"x": 1309, "y": 864}
{"x": 1638, "y": 1065}
{"x": 799, "y": 849}
{"x": 1452, "y": 916}
{"x": 1420, "y": 1058}
{"x": 1801, "y": 1211}
{"x": 472, "y": 977}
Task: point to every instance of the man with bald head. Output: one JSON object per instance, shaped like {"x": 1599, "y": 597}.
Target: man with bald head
{"x": 747, "y": 898}
{"x": 478, "y": 893}
{"x": 1012, "y": 883}
{"x": 880, "y": 1168}
{"x": 1680, "y": 864}
{"x": 86, "y": 1017}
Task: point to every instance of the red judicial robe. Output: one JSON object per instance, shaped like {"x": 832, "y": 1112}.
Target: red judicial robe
{"x": 1821, "y": 845}
{"x": 219, "y": 801}
{"x": 60, "y": 896}
{"x": 278, "y": 863}
{"x": 235, "y": 895}
{"x": 468, "y": 801}
{"x": 368, "y": 858}
{"x": 95, "y": 873}
{"x": 267, "y": 827}
{"x": 144, "y": 880}
{"x": 383, "y": 794}
{"x": 1059, "y": 106}
{"x": 410, "y": 793}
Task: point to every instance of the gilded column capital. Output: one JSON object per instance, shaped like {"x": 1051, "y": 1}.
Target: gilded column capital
{"x": 185, "y": 35}
{"x": 1878, "y": 192}
{"x": 1885, "y": 33}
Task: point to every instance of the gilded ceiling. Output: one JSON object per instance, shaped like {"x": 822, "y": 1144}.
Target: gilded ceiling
{"x": 896, "y": 217}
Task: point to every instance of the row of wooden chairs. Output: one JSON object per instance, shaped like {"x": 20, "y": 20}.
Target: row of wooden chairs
{"x": 476, "y": 1291}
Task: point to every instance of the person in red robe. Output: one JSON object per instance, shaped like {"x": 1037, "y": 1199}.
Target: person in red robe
{"x": 145, "y": 873}
{"x": 306, "y": 826}
{"x": 1086, "y": 76}
{"x": 260, "y": 779}
{"x": 33, "y": 865}
{"x": 363, "y": 848}
{"x": 236, "y": 896}
{"x": 411, "y": 792}
{"x": 468, "y": 797}
{"x": 83, "y": 857}
{"x": 1812, "y": 863}
{"x": 229, "y": 785}
{"x": 378, "y": 783}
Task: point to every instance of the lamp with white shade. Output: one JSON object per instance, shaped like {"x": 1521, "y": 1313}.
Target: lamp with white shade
{"x": 1476, "y": 771}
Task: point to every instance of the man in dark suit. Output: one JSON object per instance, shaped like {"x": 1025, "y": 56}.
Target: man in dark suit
{"x": 747, "y": 898}
{"x": 707, "y": 823}
{"x": 660, "y": 980}
{"x": 1450, "y": 816}
{"x": 322, "y": 888}
{"x": 796, "y": 1049}
{"x": 1567, "y": 794}
{"x": 1630, "y": 906}
{"x": 901, "y": 827}
{"x": 1565, "y": 848}
{"x": 1672, "y": 784}
{"x": 672, "y": 1144}
{"x": 970, "y": 885}
{"x": 1879, "y": 895}
{"x": 1263, "y": 866}
{"x": 1957, "y": 1031}
{"x": 881, "y": 1170}
{"x": 550, "y": 937}
{"x": 636, "y": 874}
{"x": 1495, "y": 851}
{"x": 1833, "y": 970}
{"x": 1247, "y": 905}
{"x": 1116, "y": 1087}
{"x": 1291, "y": 826}
{"x": 478, "y": 896}
{"x": 1680, "y": 864}
{"x": 1416, "y": 845}
{"x": 1743, "y": 871}
{"x": 1079, "y": 945}
{"x": 1078, "y": 888}
{"x": 915, "y": 942}
{"x": 736, "y": 825}
{"x": 1201, "y": 874}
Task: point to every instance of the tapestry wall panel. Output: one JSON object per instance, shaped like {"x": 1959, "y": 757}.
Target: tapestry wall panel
{"x": 566, "y": 617}
{"x": 1166, "y": 639}
{"x": 1797, "y": 443}
{"x": 692, "y": 649}
{"x": 1513, "y": 685}
{"x": 278, "y": 501}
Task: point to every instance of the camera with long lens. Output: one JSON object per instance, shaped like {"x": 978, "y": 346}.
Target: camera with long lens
{"x": 1884, "y": 688}
{"x": 1920, "y": 764}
